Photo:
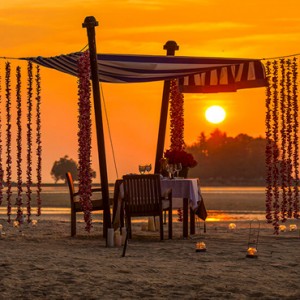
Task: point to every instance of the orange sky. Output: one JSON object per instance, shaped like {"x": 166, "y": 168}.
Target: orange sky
{"x": 213, "y": 28}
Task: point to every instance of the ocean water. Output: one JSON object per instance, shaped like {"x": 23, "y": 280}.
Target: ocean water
{"x": 222, "y": 203}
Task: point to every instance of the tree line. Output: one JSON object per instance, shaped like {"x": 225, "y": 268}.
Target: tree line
{"x": 224, "y": 160}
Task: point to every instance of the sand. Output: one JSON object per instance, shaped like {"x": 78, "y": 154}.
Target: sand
{"x": 44, "y": 262}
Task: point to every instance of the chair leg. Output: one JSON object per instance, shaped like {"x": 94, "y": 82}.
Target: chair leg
{"x": 129, "y": 227}
{"x": 165, "y": 217}
{"x": 161, "y": 226}
{"x": 73, "y": 222}
{"x": 170, "y": 224}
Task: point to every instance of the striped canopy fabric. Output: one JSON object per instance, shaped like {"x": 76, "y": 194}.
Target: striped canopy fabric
{"x": 195, "y": 74}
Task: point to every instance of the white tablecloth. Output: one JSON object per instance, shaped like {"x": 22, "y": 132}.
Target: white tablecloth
{"x": 183, "y": 188}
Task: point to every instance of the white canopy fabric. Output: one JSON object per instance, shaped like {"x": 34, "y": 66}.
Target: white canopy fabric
{"x": 195, "y": 74}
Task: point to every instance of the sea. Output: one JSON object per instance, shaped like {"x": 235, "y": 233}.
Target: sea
{"x": 222, "y": 203}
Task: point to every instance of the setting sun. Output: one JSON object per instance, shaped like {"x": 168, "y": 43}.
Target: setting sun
{"x": 215, "y": 114}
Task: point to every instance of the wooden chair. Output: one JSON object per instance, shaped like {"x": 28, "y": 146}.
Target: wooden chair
{"x": 142, "y": 197}
{"x": 75, "y": 204}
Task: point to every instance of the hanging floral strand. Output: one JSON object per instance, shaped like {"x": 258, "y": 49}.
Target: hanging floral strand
{"x": 8, "y": 139}
{"x": 295, "y": 131}
{"x": 276, "y": 202}
{"x": 84, "y": 138}
{"x": 176, "y": 124}
{"x": 268, "y": 146}
{"x": 1, "y": 165}
{"x": 176, "y": 117}
{"x": 289, "y": 137}
{"x": 29, "y": 141}
{"x": 19, "y": 202}
{"x": 283, "y": 161}
{"x": 38, "y": 140}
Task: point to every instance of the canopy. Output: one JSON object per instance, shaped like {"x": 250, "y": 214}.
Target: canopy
{"x": 195, "y": 74}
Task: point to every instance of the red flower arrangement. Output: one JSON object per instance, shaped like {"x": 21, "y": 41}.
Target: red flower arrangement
{"x": 176, "y": 153}
{"x": 180, "y": 156}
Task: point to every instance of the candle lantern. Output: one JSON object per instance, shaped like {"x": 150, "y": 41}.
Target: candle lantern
{"x": 200, "y": 247}
{"x": 282, "y": 228}
{"x": 251, "y": 252}
{"x": 253, "y": 239}
{"x": 16, "y": 224}
{"x": 293, "y": 227}
{"x": 231, "y": 226}
{"x": 34, "y": 222}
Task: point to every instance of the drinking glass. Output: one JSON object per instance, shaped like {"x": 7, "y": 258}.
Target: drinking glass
{"x": 148, "y": 168}
{"x": 178, "y": 168}
{"x": 171, "y": 169}
{"x": 142, "y": 169}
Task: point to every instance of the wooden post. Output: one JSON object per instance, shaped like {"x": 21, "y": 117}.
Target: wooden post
{"x": 90, "y": 23}
{"x": 170, "y": 46}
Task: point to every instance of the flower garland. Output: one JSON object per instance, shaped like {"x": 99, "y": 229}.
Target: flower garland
{"x": 295, "y": 131}
{"x": 269, "y": 165}
{"x": 38, "y": 140}
{"x": 283, "y": 131}
{"x": 289, "y": 127}
{"x": 176, "y": 117}
{"x": 19, "y": 202}
{"x": 1, "y": 165}
{"x": 289, "y": 137}
{"x": 29, "y": 140}
{"x": 8, "y": 139}
{"x": 276, "y": 205}
{"x": 84, "y": 138}
{"x": 176, "y": 128}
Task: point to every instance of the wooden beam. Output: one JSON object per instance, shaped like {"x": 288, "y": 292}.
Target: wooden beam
{"x": 90, "y": 23}
{"x": 171, "y": 47}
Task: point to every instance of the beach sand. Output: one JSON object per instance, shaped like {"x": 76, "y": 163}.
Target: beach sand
{"x": 44, "y": 262}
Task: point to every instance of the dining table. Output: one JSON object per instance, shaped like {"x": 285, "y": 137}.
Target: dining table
{"x": 187, "y": 189}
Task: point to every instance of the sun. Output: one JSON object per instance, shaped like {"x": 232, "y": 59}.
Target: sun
{"x": 215, "y": 114}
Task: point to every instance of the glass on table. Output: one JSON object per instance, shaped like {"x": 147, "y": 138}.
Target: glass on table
{"x": 142, "y": 169}
{"x": 178, "y": 168}
{"x": 148, "y": 168}
{"x": 171, "y": 170}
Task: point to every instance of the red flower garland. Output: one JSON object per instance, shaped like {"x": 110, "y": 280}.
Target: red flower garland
{"x": 276, "y": 205}
{"x": 269, "y": 165}
{"x": 19, "y": 202}
{"x": 29, "y": 141}
{"x": 84, "y": 138}
{"x": 1, "y": 165}
{"x": 38, "y": 140}
{"x": 295, "y": 131}
{"x": 289, "y": 160}
{"x": 8, "y": 139}
{"x": 176, "y": 117}
{"x": 283, "y": 162}
{"x": 289, "y": 137}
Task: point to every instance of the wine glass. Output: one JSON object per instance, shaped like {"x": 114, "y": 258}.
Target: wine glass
{"x": 170, "y": 168}
{"x": 178, "y": 168}
{"x": 148, "y": 168}
{"x": 142, "y": 169}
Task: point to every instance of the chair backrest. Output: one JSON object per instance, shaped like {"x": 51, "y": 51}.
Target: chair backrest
{"x": 142, "y": 193}
{"x": 71, "y": 185}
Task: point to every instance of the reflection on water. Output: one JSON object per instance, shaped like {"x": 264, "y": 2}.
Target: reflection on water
{"x": 213, "y": 215}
